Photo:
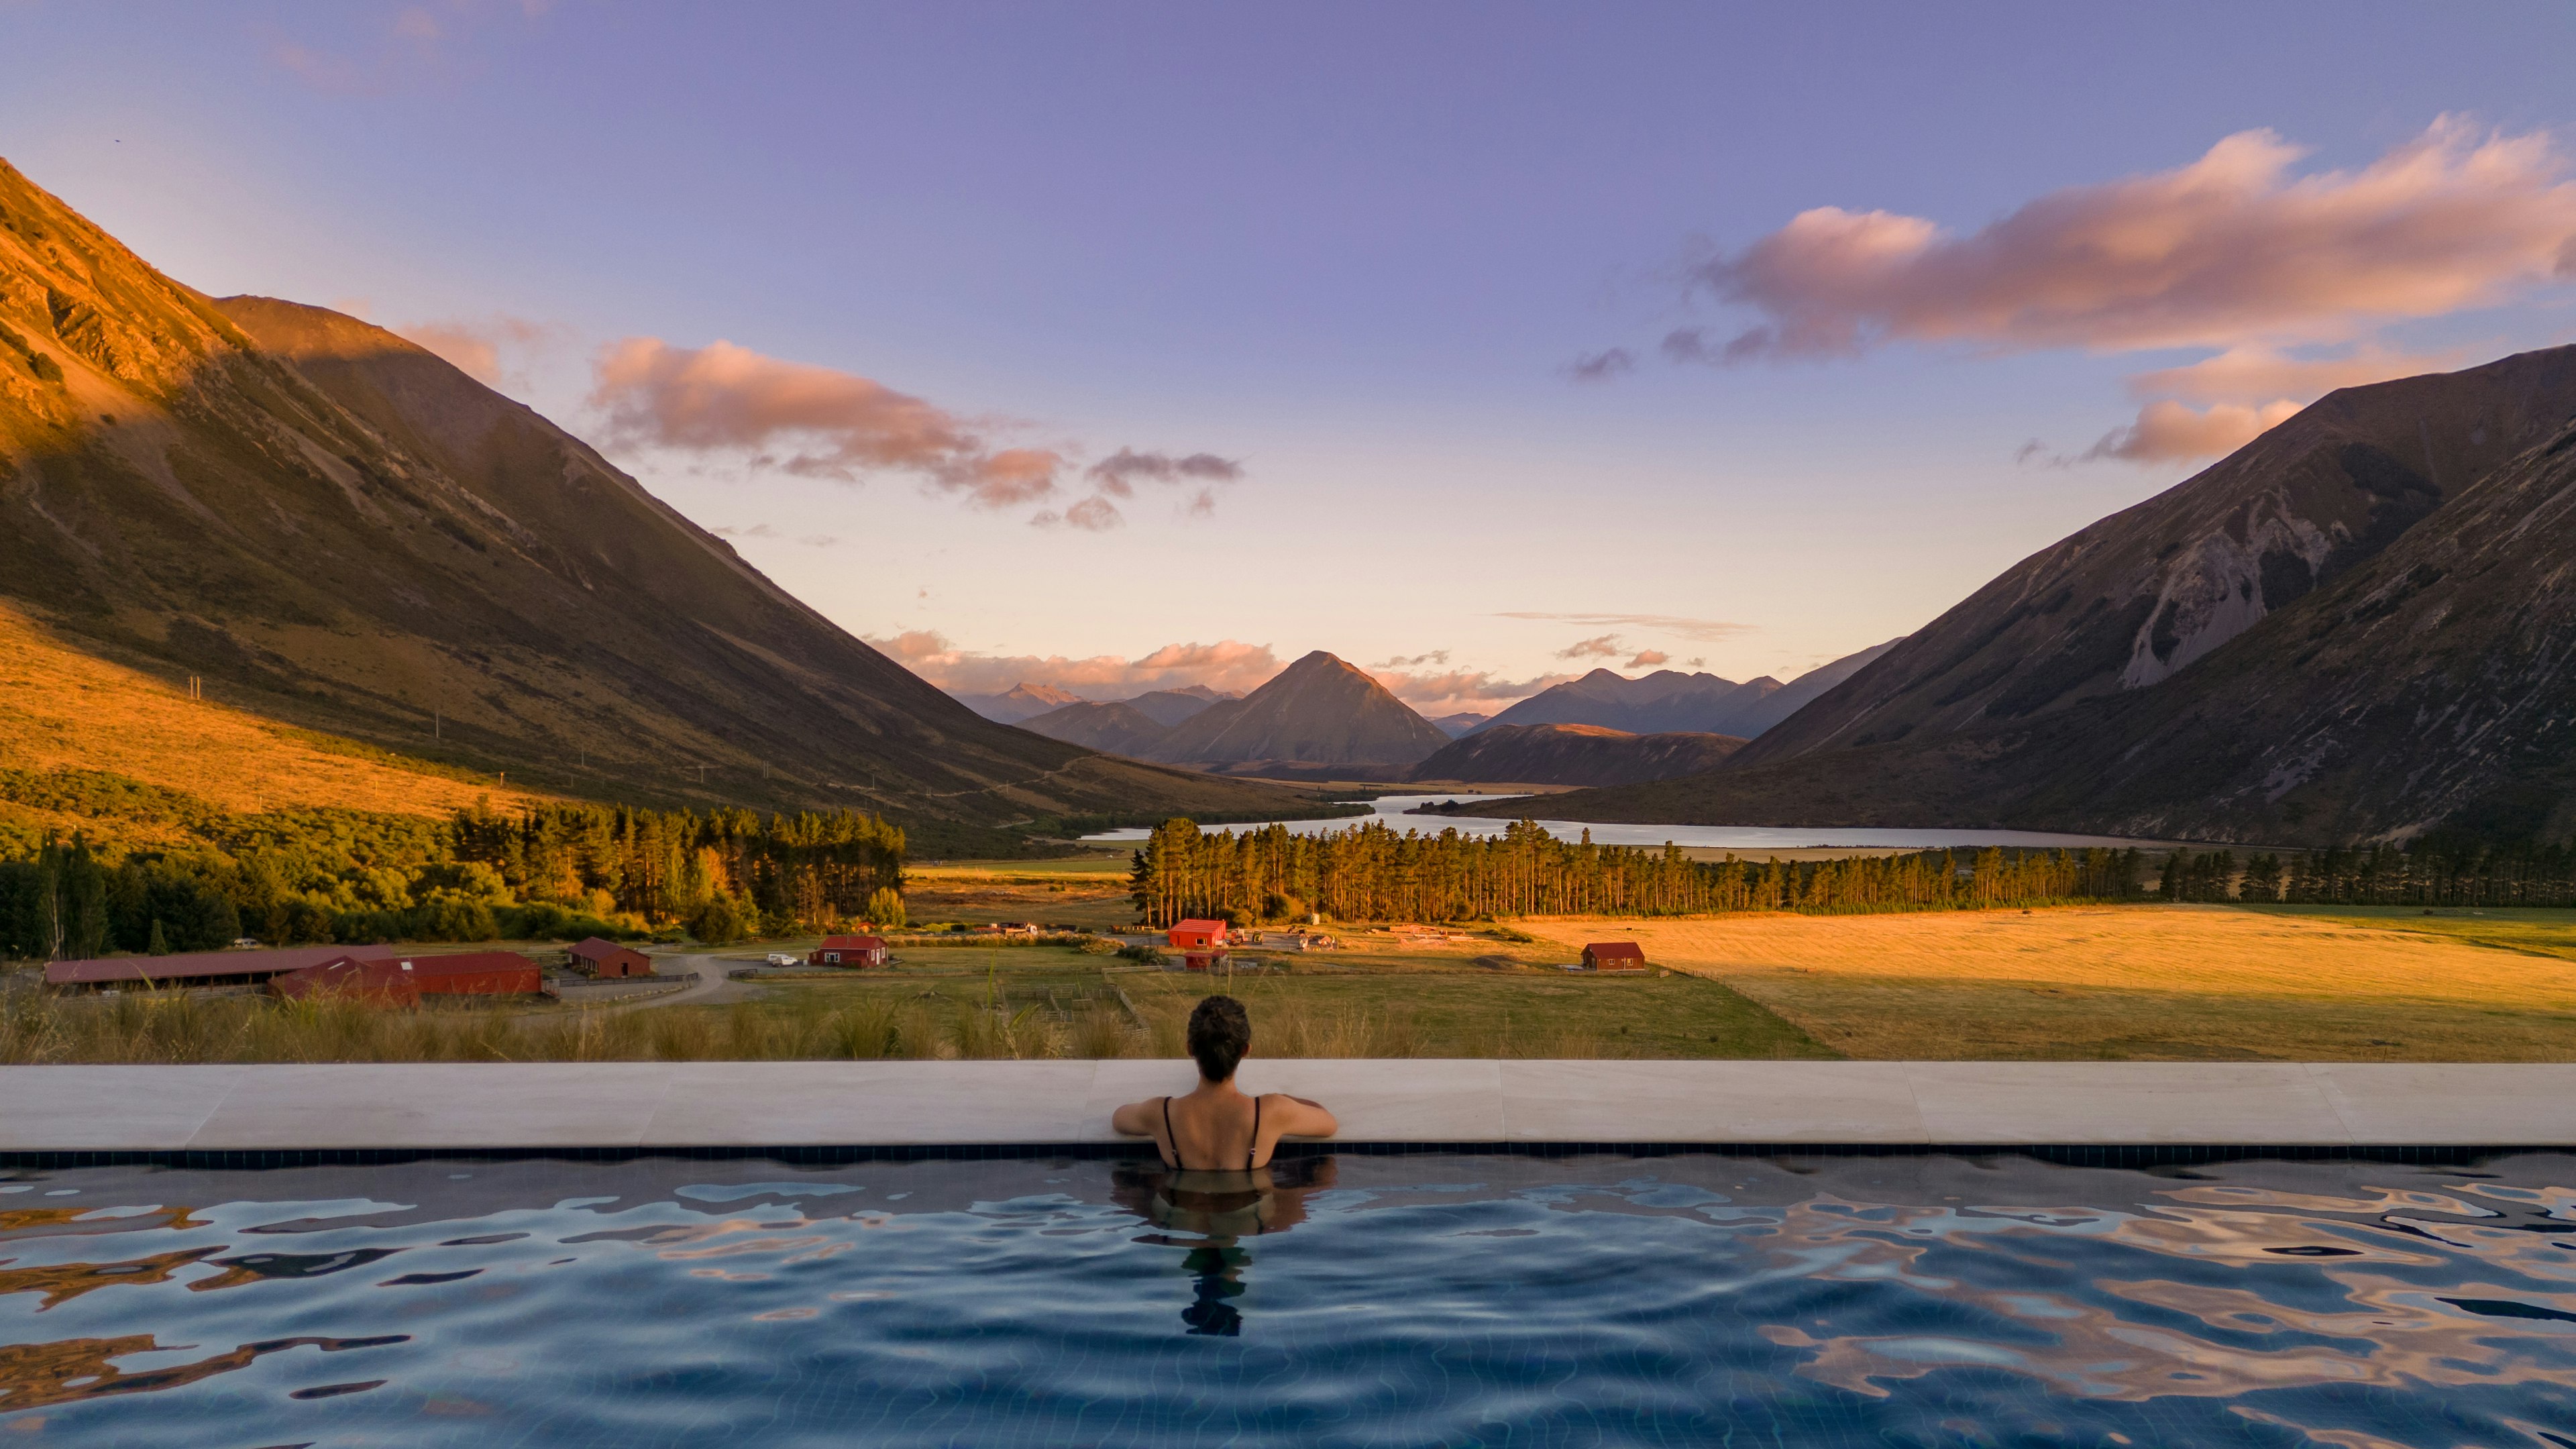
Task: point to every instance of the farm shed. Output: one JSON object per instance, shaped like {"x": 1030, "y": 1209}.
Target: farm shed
{"x": 1614, "y": 956}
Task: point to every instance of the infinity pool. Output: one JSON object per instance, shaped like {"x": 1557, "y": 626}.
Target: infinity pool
{"x": 1380, "y": 1300}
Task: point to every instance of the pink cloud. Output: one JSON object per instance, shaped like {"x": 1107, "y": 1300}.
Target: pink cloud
{"x": 1603, "y": 646}
{"x": 1226, "y": 665}
{"x": 1649, "y": 658}
{"x": 828, "y": 423}
{"x": 822, "y": 422}
{"x": 2229, "y": 249}
{"x": 2167, "y": 431}
{"x": 1461, "y": 691}
{"x": 2251, "y": 372}
{"x": 475, "y": 346}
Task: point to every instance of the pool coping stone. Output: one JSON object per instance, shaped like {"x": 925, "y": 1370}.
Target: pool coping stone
{"x": 691, "y": 1105}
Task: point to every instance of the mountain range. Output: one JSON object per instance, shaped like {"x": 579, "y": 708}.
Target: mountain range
{"x": 335, "y": 528}
{"x": 1668, "y": 701}
{"x": 2359, "y": 626}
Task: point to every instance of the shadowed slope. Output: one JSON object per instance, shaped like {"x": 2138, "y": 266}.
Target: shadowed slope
{"x": 1317, "y": 711}
{"x": 1567, "y": 754}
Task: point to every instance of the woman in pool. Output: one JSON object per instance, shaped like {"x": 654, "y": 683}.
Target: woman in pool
{"x": 1216, "y": 1128}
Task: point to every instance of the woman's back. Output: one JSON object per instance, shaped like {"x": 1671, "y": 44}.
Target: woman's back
{"x": 1208, "y": 1133}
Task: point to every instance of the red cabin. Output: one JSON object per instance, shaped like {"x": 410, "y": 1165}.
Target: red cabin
{"x": 1614, "y": 956}
{"x": 1198, "y": 935}
{"x": 850, "y": 951}
{"x": 607, "y": 959}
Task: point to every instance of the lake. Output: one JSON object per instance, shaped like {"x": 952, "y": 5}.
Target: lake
{"x": 1390, "y": 810}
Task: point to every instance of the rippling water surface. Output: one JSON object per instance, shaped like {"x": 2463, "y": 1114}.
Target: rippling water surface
{"x": 1896, "y": 1300}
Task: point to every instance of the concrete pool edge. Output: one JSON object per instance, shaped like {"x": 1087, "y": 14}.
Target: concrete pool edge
{"x": 652, "y": 1106}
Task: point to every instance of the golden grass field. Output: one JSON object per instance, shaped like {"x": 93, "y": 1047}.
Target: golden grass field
{"x": 2148, "y": 982}
{"x": 61, "y": 709}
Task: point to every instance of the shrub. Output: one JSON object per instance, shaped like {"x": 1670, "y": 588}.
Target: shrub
{"x": 885, "y": 909}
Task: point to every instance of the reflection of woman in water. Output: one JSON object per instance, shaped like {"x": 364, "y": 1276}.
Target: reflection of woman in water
{"x": 1201, "y": 1189}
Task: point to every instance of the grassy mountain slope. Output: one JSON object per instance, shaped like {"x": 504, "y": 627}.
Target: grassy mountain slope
{"x": 1118, "y": 728}
{"x": 339, "y": 530}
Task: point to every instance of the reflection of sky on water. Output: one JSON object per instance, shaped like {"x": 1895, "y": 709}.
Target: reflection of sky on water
{"x": 1899, "y": 1299}
{"x": 1390, "y": 811}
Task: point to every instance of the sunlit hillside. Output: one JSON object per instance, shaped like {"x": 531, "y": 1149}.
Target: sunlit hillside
{"x": 61, "y": 710}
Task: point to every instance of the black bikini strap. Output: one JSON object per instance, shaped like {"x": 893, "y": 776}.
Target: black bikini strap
{"x": 1167, "y": 1133}
{"x": 1254, "y": 1150}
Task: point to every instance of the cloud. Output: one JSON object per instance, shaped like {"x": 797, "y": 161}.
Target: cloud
{"x": 1649, "y": 657}
{"x": 1602, "y": 366}
{"x": 1095, "y": 513}
{"x": 1461, "y": 691}
{"x": 2229, "y": 249}
{"x": 2255, "y": 371}
{"x": 824, "y": 423}
{"x": 2167, "y": 431}
{"x": 474, "y": 346}
{"x": 828, "y": 423}
{"x": 1121, "y": 471}
{"x": 1226, "y": 665}
{"x": 1436, "y": 656}
{"x": 1605, "y": 646}
{"x": 415, "y": 42}
{"x": 1709, "y": 631}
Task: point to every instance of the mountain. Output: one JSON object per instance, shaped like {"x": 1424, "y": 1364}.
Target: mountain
{"x": 1019, "y": 702}
{"x": 1454, "y": 725}
{"x": 1794, "y": 696}
{"x": 2355, "y": 628}
{"x": 1168, "y": 707}
{"x": 1117, "y": 728}
{"x": 334, "y": 528}
{"x": 1317, "y": 711}
{"x": 1562, "y": 754}
{"x": 1662, "y": 702}
{"x": 2134, "y": 599}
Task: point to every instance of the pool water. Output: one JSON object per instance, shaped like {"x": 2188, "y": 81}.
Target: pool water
{"x": 1690, "y": 1299}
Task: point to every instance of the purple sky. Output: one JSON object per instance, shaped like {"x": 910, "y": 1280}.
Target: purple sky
{"x": 1328, "y": 274}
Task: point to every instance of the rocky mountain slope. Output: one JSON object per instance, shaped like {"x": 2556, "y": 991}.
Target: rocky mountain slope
{"x": 335, "y": 528}
{"x": 1561, "y": 754}
{"x": 2134, "y": 599}
{"x": 1317, "y": 711}
{"x": 2393, "y": 651}
{"x": 1168, "y": 707}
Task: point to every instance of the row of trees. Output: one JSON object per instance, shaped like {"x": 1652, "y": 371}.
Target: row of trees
{"x": 1371, "y": 872}
{"x": 553, "y": 872}
{"x": 2432, "y": 874}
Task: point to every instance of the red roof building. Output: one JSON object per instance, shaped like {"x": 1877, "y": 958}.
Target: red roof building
{"x": 404, "y": 980}
{"x": 1614, "y": 956}
{"x": 473, "y": 973}
{"x": 1195, "y": 935}
{"x": 850, "y": 951}
{"x": 378, "y": 983}
{"x": 607, "y": 959}
{"x": 192, "y": 968}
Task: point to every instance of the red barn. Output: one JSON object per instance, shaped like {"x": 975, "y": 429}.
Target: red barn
{"x": 1197, "y": 935}
{"x": 377, "y": 983}
{"x": 850, "y": 951}
{"x": 1614, "y": 956}
{"x": 474, "y": 973}
{"x": 608, "y": 959}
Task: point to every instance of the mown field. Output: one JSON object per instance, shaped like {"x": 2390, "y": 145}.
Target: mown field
{"x": 2079, "y": 983}
{"x": 2148, "y": 982}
